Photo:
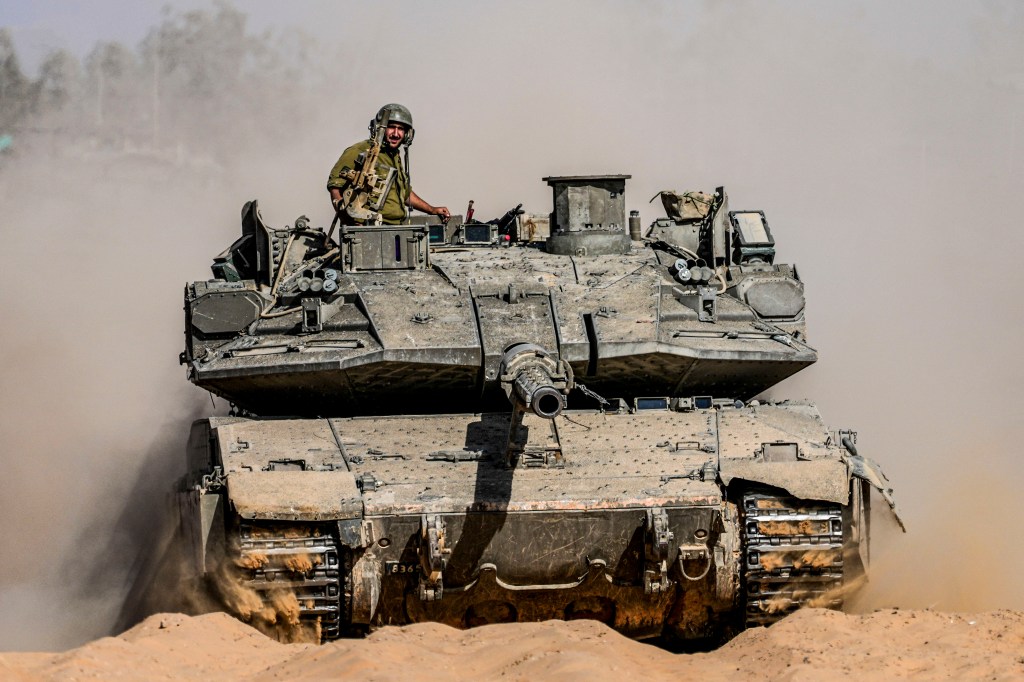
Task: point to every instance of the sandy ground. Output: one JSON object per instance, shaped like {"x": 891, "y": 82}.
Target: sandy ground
{"x": 812, "y": 644}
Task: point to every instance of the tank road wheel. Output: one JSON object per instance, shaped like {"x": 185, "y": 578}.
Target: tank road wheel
{"x": 792, "y": 555}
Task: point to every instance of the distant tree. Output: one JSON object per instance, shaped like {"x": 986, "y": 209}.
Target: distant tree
{"x": 194, "y": 65}
{"x": 113, "y": 73}
{"x": 214, "y": 86}
{"x": 199, "y": 83}
{"x": 60, "y": 82}
{"x": 17, "y": 93}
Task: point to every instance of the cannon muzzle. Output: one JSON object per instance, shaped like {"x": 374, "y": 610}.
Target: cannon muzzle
{"x": 534, "y": 381}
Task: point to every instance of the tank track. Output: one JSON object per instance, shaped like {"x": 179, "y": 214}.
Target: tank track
{"x": 792, "y": 556}
{"x": 304, "y": 560}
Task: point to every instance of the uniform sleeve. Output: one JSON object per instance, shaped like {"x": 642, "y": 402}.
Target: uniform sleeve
{"x": 346, "y": 162}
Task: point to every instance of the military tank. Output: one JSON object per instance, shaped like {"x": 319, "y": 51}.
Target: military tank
{"x": 544, "y": 416}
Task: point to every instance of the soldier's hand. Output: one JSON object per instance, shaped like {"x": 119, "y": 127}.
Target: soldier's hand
{"x": 443, "y": 212}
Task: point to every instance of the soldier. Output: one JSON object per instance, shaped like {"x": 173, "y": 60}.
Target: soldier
{"x": 387, "y": 194}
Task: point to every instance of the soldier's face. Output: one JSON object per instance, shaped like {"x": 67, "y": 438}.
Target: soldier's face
{"x": 395, "y": 135}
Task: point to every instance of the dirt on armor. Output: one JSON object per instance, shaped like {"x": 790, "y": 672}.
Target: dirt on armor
{"x": 812, "y": 644}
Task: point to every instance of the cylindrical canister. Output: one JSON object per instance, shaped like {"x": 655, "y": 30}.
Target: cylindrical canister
{"x": 634, "y": 225}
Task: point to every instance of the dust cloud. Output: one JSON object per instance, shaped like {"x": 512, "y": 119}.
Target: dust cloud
{"x": 889, "y": 170}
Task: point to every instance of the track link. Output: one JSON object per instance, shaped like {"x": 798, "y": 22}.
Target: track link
{"x": 792, "y": 556}
{"x": 302, "y": 559}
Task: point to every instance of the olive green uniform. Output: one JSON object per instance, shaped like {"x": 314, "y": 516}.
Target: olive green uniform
{"x": 394, "y": 209}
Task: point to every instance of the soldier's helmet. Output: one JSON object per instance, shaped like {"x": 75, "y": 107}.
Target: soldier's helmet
{"x": 395, "y": 113}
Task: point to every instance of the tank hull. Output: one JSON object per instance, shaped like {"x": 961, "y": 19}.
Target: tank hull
{"x": 640, "y": 520}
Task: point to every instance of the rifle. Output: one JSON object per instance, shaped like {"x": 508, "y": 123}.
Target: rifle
{"x": 367, "y": 190}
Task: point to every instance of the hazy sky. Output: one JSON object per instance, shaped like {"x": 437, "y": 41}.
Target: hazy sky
{"x": 935, "y": 29}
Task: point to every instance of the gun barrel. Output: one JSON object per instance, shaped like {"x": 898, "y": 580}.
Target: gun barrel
{"x": 535, "y": 381}
{"x": 535, "y": 391}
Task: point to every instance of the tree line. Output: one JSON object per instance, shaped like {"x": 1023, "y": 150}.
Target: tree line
{"x": 200, "y": 80}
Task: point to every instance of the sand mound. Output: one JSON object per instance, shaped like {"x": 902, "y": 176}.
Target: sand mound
{"x": 809, "y": 645}
{"x": 816, "y": 644}
{"x": 167, "y": 646}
